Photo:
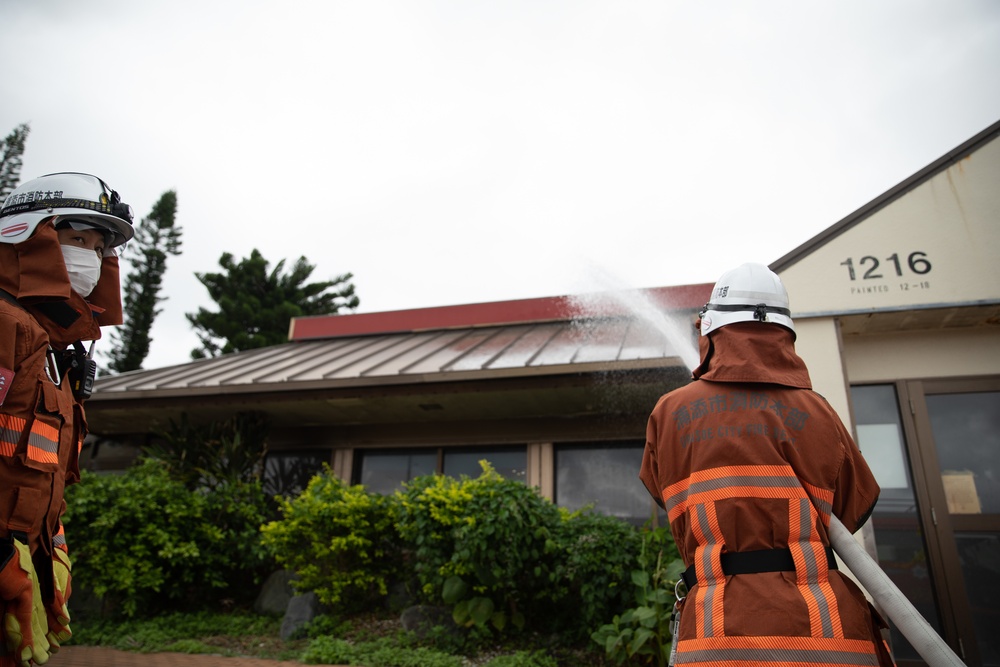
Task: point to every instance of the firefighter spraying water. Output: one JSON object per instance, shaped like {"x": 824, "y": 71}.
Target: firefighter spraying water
{"x": 58, "y": 285}
{"x": 761, "y": 481}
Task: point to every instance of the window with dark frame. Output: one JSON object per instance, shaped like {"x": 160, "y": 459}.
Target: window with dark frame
{"x": 606, "y": 476}
{"x": 287, "y": 473}
{"x": 386, "y": 470}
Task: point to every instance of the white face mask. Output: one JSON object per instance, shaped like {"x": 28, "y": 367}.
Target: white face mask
{"x": 84, "y": 268}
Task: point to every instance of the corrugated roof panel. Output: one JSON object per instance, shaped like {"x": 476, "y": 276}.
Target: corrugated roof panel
{"x": 440, "y": 359}
{"x": 492, "y": 347}
{"x": 138, "y": 380}
{"x": 415, "y": 356}
{"x": 532, "y": 339}
{"x": 603, "y": 340}
{"x": 329, "y": 357}
{"x": 303, "y": 356}
{"x": 266, "y": 363}
{"x": 204, "y": 374}
{"x": 362, "y": 349}
{"x": 561, "y": 348}
{"x": 402, "y": 345}
{"x": 643, "y": 341}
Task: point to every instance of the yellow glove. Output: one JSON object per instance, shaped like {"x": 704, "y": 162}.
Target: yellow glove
{"x": 57, "y": 612}
{"x": 24, "y": 615}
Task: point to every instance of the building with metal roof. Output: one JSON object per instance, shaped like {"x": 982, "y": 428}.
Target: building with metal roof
{"x": 897, "y": 313}
{"x": 435, "y": 385}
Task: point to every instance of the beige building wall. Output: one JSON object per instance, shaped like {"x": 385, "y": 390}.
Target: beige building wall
{"x": 923, "y": 354}
{"x": 936, "y": 245}
{"x": 817, "y": 341}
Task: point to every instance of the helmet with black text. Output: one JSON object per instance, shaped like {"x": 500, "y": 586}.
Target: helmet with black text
{"x": 76, "y": 200}
{"x": 749, "y": 293}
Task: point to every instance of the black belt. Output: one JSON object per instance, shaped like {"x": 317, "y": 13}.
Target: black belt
{"x": 751, "y": 562}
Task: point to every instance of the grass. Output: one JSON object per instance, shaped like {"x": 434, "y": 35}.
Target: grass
{"x": 372, "y": 640}
{"x": 232, "y": 634}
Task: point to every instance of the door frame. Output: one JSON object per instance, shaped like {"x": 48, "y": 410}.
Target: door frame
{"x": 938, "y": 524}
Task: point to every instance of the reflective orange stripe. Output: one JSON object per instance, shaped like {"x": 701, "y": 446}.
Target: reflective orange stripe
{"x": 43, "y": 441}
{"x": 696, "y": 496}
{"x": 11, "y": 428}
{"x": 822, "y": 500}
{"x": 776, "y": 652}
{"x": 707, "y": 486}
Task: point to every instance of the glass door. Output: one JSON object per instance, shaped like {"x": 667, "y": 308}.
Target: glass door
{"x": 898, "y": 523}
{"x": 958, "y": 442}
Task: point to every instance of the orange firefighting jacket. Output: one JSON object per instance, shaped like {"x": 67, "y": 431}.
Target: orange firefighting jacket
{"x": 747, "y": 458}
{"x": 42, "y": 425}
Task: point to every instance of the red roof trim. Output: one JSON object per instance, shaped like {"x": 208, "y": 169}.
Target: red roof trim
{"x": 544, "y": 309}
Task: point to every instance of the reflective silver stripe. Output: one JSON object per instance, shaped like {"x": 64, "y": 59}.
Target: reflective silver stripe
{"x": 711, "y": 586}
{"x": 822, "y": 506}
{"x": 36, "y": 439}
{"x": 768, "y": 482}
{"x": 759, "y": 481}
{"x": 812, "y": 567}
{"x": 752, "y": 656}
{"x": 9, "y": 436}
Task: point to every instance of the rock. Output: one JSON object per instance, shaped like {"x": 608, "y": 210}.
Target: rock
{"x": 301, "y": 609}
{"x": 275, "y": 594}
{"x": 421, "y": 618}
{"x": 399, "y": 597}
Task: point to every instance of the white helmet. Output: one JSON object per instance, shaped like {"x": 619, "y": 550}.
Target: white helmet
{"x": 80, "y": 200}
{"x": 750, "y": 292}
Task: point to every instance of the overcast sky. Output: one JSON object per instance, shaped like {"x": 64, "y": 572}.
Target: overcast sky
{"x": 466, "y": 151}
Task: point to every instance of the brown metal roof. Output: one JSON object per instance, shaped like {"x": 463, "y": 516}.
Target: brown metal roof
{"x": 514, "y": 360}
{"x": 459, "y": 354}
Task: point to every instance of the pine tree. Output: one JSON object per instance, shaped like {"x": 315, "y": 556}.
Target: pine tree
{"x": 11, "y": 150}
{"x": 256, "y": 306}
{"x": 156, "y": 237}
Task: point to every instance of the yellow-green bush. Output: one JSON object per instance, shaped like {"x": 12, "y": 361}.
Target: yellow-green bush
{"x": 338, "y": 539}
{"x": 491, "y": 549}
{"x": 483, "y": 545}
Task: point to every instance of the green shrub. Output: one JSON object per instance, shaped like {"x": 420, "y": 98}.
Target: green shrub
{"x": 142, "y": 541}
{"x": 338, "y": 539}
{"x": 644, "y": 630}
{"x": 226, "y": 452}
{"x": 596, "y": 557}
{"x": 328, "y": 650}
{"x": 322, "y": 625}
{"x": 483, "y": 545}
{"x": 523, "y": 659}
{"x": 156, "y": 634}
{"x": 381, "y": 653}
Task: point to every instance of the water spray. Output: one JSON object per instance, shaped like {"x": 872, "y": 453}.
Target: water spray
{"x": 676, "y": 327}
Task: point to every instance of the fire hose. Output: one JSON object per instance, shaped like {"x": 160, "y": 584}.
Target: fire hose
{"x": 907, "y": 619}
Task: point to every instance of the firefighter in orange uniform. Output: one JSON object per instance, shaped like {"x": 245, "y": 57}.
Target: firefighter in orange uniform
{"x": 749, "y": 463}
{"x": 58, "y": 285}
